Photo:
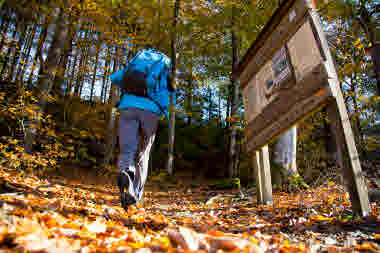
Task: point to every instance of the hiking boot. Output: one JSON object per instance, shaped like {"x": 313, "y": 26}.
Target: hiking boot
{"x": 125, "y": 183}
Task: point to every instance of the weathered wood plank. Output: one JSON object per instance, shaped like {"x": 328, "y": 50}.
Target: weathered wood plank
{"x": 287, "y": 109}
{"x": 258, "y": 176}
{"x": 343, "y": 131}
{"x": 261, "y": 165}
{"x": 266, "y": 177}
{"x": 285, "y": 121}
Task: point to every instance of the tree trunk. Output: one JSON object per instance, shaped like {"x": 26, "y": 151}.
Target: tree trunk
{"x": 66, "y": 76}
{"x": 111, "y": 140}
{"x": 26, "y": 54}
{"x": 38, "y": 54}
{"x": 355, "y": 116}
{"x": 46, "y": 80}
{"x": 220, "y": 109}
{"x": 189, "y": 95}
{"x": 232, "y": 156}
{"x": 108, "y": 81}
{"x": 375, "y": 54}
{"x": 70, "y": 85}
{"x": 190, "y": 100}
{"x": 285, "y": 153}
{"x": 209, "y": 103}
{"x": 107, "y": 86}
{"x": 105, "y": 75}
{"x": 60, "y": 77}
{"x": 17, "y": 54}
{"x": 228, "y": 112}
{"x": 7, "y": 57}
{"x": 83, "y": 73}
{"x": 169, "y": 165}
{"x": 329, "y": 141}
{"x": 94, "y": 74}
{"x": 23, "y": 51}
{"x": 66, "y": 66}
{"x": 3, "y": 30}
{"x": 77, "y": 89}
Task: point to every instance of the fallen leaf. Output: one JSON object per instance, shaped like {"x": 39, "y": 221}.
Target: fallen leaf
{"x": 97, "y": 227}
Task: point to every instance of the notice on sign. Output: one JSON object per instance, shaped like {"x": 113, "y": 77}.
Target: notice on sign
{"x": 281, "y": 67}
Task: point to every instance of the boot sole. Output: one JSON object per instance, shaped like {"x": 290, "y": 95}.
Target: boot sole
{"x": 124, "y": 182}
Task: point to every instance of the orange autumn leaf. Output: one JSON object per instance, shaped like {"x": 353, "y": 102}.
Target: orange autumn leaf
{"x": 215, "y": 233}
{"x": 364, "y": 247}
{"x": 3, "y": 232}
{"x": 187, "y": 220}
{"x": 170, "y": 250}
{"x": 71, "y": 225}
{"x": 51, "y": 223}
{"x": 22, "y": 212}
{"x": 334, "y": 249}
{"x": 284, "y": 250}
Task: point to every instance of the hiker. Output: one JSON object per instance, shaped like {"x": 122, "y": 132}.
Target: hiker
{"x": 146, "y": 87}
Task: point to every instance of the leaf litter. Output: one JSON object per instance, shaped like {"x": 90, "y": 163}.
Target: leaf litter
{"x": 71, "y": 217}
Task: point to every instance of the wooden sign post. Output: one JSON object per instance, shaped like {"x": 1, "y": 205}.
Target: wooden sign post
{"x": 287, "y": 74}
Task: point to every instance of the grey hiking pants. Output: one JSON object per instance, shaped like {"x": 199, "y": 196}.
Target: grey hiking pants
{"x": 137, "y": 130}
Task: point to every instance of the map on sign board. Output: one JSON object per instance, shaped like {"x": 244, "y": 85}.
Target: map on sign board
{"x": 281, "y": 67}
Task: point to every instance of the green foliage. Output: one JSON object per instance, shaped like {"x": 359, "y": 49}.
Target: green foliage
{"x": 297, "y": 183}
{"x": 199, "y": 147}
{"x": 233, "y": 183}
{"x": 162, "y": 177}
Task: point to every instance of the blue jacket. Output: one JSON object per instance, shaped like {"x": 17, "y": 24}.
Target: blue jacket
{"x": 161, "y": 97}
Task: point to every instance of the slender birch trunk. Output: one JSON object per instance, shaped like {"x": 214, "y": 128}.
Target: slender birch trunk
{"x": 111, "y": 140}
{"x": 169, "y": 165}
{"x": 94, "y": 74}
{"x": 105, "y": 74}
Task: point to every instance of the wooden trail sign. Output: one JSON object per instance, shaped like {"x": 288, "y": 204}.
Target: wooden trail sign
{"x": 287, "y": 74}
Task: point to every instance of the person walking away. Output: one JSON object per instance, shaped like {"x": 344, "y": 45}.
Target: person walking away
{"x": 146, "y": 87}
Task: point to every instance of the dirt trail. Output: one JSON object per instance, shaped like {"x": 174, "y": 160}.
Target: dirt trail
{"x": 77, "y": 216}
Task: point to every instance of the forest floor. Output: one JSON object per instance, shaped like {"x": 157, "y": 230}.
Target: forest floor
{"x": 60, "y": 214}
